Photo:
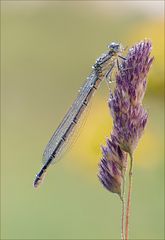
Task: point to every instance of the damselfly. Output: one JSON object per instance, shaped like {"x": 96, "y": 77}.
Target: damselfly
{"x": 102, "y": 69}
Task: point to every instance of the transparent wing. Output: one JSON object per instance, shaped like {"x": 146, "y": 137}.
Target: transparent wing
{"x": 74, "y": 135}
{"x": 69, "y": 121}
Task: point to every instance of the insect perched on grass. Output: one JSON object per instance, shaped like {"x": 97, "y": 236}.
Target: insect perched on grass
{"x": 102, "y": 69}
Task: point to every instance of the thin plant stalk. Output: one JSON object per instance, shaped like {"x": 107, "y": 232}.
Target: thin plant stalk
{"x": 123, "y": 206}
{"x": 122, "y": 218}
{"x": 129, "y": 199}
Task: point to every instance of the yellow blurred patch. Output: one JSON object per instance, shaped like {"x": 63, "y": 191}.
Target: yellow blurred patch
{"x": 97, "y": 127}
{"x": 149, "y": 150}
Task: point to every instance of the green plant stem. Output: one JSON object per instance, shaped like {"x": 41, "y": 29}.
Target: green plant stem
{"x": 129, "y": 199}
{"x": 123, "y": 206}
{"x": 122, "y": 218}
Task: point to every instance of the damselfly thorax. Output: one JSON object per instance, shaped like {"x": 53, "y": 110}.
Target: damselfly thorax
{"x": 102, "y": 69}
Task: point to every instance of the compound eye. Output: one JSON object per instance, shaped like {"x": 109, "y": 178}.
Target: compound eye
{"x": 113, "y": 46}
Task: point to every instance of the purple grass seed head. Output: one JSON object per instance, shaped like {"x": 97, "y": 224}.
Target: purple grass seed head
{"x": 112, "y": 166}
{"x": 129, "y": 116}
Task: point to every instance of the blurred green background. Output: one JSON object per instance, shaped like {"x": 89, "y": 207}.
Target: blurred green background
{"x": 47, "y": 50}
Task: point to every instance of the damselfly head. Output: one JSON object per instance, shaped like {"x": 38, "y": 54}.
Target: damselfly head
{"x": 115, "y": 47}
